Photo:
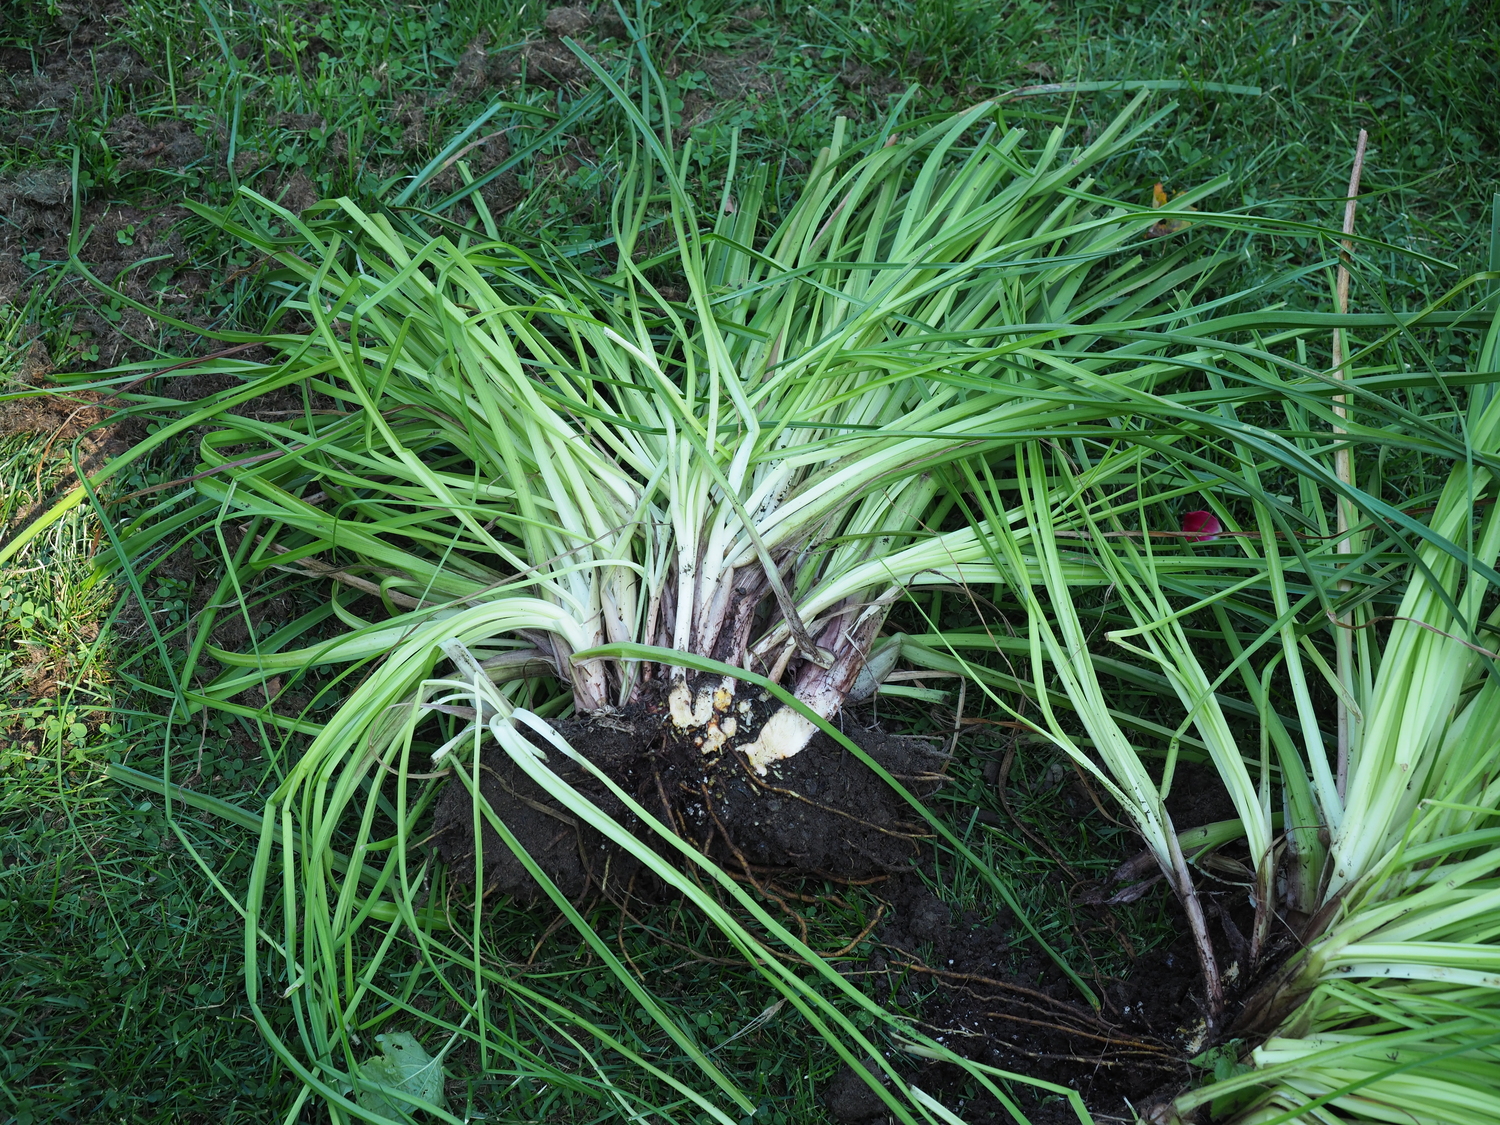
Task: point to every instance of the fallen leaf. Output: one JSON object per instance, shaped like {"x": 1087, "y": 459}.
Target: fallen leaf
{"x": 403, "y": 1066}
{"x": 1165, "y": 226}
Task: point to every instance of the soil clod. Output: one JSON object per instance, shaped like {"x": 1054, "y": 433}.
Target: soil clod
{"x": 851, "y": 1100}
{"x": 821, "y": 812}
{"x": 567, "y": 22}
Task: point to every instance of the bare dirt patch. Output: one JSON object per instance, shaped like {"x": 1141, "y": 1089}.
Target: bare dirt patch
{"x": 134, "y": 246}
{"x": 959, "y": 972}
{"x": 729, "y": 79}
{"x": 500, "y": 193}
{"x": 65, "y": 417}
{"x": 552, "y": 65}
{"x": 477, "y": 68}
{"x": 39, "y": 86}
{"x": 144, "y": 145}
{"x": 61, "y": 414}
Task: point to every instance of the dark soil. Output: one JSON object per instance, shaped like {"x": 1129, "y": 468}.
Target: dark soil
{"x": 69, "y": 419}
{"x": 973, "y": 990}
{"x": 974, "y": 984}
{"x": 970, "y": 991}
{"x": 85, "y": 429}
{"x": 1198, "y": 796}
{"x": 850, "y": 1098}
{"x": 978, "y": 986}
{"x": 819, "y": 813}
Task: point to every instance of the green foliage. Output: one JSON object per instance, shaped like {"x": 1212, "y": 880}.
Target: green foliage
{"x": 121, "y": 997}
{"x": 355, "y": 98}
{"x": 329, "y": 95}
{"x": 1380, "y": 746}
{"x": 1223, "y": 1061}
{"x": 56, "y": 694}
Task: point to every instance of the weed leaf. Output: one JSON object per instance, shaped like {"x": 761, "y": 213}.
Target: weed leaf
{"x": 403, "y": 1065}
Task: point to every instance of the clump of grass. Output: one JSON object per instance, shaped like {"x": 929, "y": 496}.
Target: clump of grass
{"x": 56, "y": 689}
{"x": 1383, "y": 777}
{"x": 594, "y": 485}
{"x": 55, "y": 678}
{"x": 1421, "y": 68}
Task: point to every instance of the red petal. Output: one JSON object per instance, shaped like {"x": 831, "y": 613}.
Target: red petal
{"x": 1201, "y": 527}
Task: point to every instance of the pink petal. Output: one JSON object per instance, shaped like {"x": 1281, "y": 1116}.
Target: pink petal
{"x": 1201, "y": 527}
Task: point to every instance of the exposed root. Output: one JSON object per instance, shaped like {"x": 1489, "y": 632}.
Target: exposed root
{"x": 1041, "y": 1001}
{"x": 765, "y": 892}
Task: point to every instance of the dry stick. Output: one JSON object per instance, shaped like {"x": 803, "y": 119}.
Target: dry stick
{"x": 958, "y": 718}
{"x": 1344, "y": 468}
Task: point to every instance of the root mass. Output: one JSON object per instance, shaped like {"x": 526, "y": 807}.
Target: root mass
{"x": 821, "y": 812}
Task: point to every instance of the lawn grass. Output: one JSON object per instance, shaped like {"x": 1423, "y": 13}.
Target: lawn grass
{"x": 120, "y": 989}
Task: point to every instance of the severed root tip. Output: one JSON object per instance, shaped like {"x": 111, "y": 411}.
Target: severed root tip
{"x": 689, "y": 710}
{"x": 785, "y": 733}
{"x": 686, "y": 711}
{"x": 708, "y": 711}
